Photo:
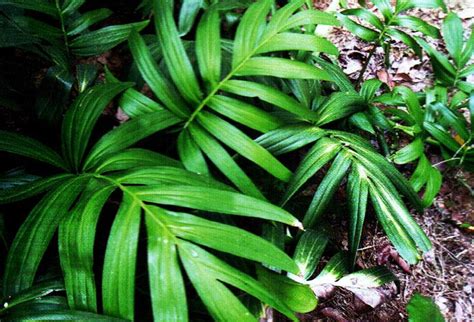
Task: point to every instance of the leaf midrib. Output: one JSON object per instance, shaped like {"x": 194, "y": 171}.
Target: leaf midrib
{"x": 226, "y": 78}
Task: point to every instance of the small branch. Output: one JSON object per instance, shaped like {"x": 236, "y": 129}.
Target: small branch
{"x": 366, "y": 64}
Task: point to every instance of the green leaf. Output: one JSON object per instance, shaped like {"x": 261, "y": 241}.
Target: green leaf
{"x": 337, "y": 267}
{"x": 205, "y": 270}
{"x": 298, "y": 297}
{"x": 365, "y": 15}
{"x": 310, "y": 17}
{"x": 81, "y": 118}
{"x": 320, "y": 154}
{"x": 31, "y": 148}
{"x": 68, "y": 6}
{"x": 128, "y": 134}
{"x": 244, "y": 113}
{"x": 187, "y": 15}
{"x": 149, "y": 70}
{"x": 85, "y": 74}
{"x": 309, "y": 250}
{"x": 422, "y": 308}
{"x": 281, "y": 67}
{"x": 293, "y": 41}
{"x": 86, "y": 20}
{"x": 367, "y": 278}
{"x": 208, "y": 47}
{"x": 270, "y": 95}
{"x": 249, "y": 31}
{"x": 443, "y": 136}
{"x": 35, "y": 234}
{"x": 409, "y": 153}
{"x": 224, "y": 162}
{"x": 369, "y": 88}
{"x": 242, "y": 144}
{"x": 413, "y": 105}
{"x": 45, "y": 7}
{"x": 133, "y": 158}
{"x": 338, "y": 106}
{"x": 406, "y": 39}
{"x": 409, "y": 4}
{"x": 357, "y": 194}
{"x": 289, "y": 138}
{"x": 99, "y": 41}
{"x": 360, "y": 31}
{"x": 32, "y": 188}
{"x": 177, "y": 61}
{"x": 118, "y": 281}
{"x": 228, "y": 239}
{"x": 190, "y": 153}
{"x": 214, "y": 200}
{"x": 417, "y": 24}
{"x": 76, "y": 247}
{"x": 453, "y": 36}
{"x": 327, "y": 188}
{"x": 468, "y": 49}
{"x": 384, "y": 7}
{"x": 166, "y": 283}
{"x": 337, "y": 74}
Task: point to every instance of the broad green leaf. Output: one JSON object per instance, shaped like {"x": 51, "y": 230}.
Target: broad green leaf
{"x": 32, "y": 188}
{"x": 270, "y": 95}
{"x": 289, "y": 138}
{"x": 22, "y": 145}
{"x": 326, "y": 189}
{"x": 187, "y": 15}
{"x": 87, "y": 19}
{"x": 242, "y": 144}
{"x": 367, "y": 278}
{"x": 337, "y": 267}
{"x": 409, "y": 153}
{"x": 453, "y": 36}
{"x": 214, "y": 200}
{"x": 433, "y": 185}
{"x": 224, "y": 162}
{"x": 393, "y": 228}
{"x": 128, "y": 134}
{"x": 357, "y": 194}
{"x": 68, "y": 6}
{"x": 309, "y": 250}
{"x": 298, "y": 297}
{"x": 468, "y": 49}
{"x": 338, "y": 106}
{"x": 249, "y": 31}
{"x": 118, "y": 281}
{"x": 202, "y": 266}
{"x": 76, "y": 247}
{"x": 35, "y": 234}
{"x": 175, "y": 56}
{"x": 310, "y": 17}
{"x": 337, "y": 74}
{"x": 133, "y": 158}
{"x": 149, "y": 70}
{"x": 99, "y": 41}
{"x": 39, "y": 290}
{"x": 85, "y": 74}
{"x": 228, "y": 239}
{"x": 208, "y": 47}
{"x": 281, "y": 67}
{"x": 369, "y": 88}
{"x": 403, "y": 5}
{"x": 406, "y": 39}
{"x": 360, "y": 31}
{"x": 81, "y": 118}
{"x": 417, "y": 24}
{"x": 244, "y": 113}
{"x": 293, "y": 41}
{"x": 443, "y": 136}
{"x": 190, "y": 153}
{"x": 166, "y": 282}
{"x": 422, "y": 308}
{"x": 365, "y": 15}
{"x": 45, "y": 7}
{"x": 384, "y": 7}
{"x": 321, "y": 153}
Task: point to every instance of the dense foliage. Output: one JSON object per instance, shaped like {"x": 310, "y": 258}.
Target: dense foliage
{"x": 198, "y": 220}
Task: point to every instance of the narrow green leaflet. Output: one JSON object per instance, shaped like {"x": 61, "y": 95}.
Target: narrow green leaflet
{"x": 101, "y": 40}
{"x": 187, "y": 15}
{"x": 35, "y": 234}
{"x": 409, "y": 153}
{"x": 190, "y": 154}
{"x": 327, "y": 188}
{"x": 87, "y": 19}
{"x": 31, "y": 148}
{"x": 309, "y": 250}
{"x": 293, "y": 41}
{"x": 453, "y": 36}
{"x": 76, "y": 247}
{"x": 214, "y": 200}
{"x": 128, "y": 134}
{"x": 289, "y": 138}
{"x": 166, "y": 283}
{"x": 118, "y": 281}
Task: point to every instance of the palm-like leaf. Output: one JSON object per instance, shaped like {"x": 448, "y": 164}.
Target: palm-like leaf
{"x": 205, "y": 133}
{"x": 74, "y": 201}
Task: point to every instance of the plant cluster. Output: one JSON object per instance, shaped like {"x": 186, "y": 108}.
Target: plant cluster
{"x": 240, "y": 90}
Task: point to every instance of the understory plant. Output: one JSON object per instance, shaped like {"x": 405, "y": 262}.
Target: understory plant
{"x": 188, "y": 203}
